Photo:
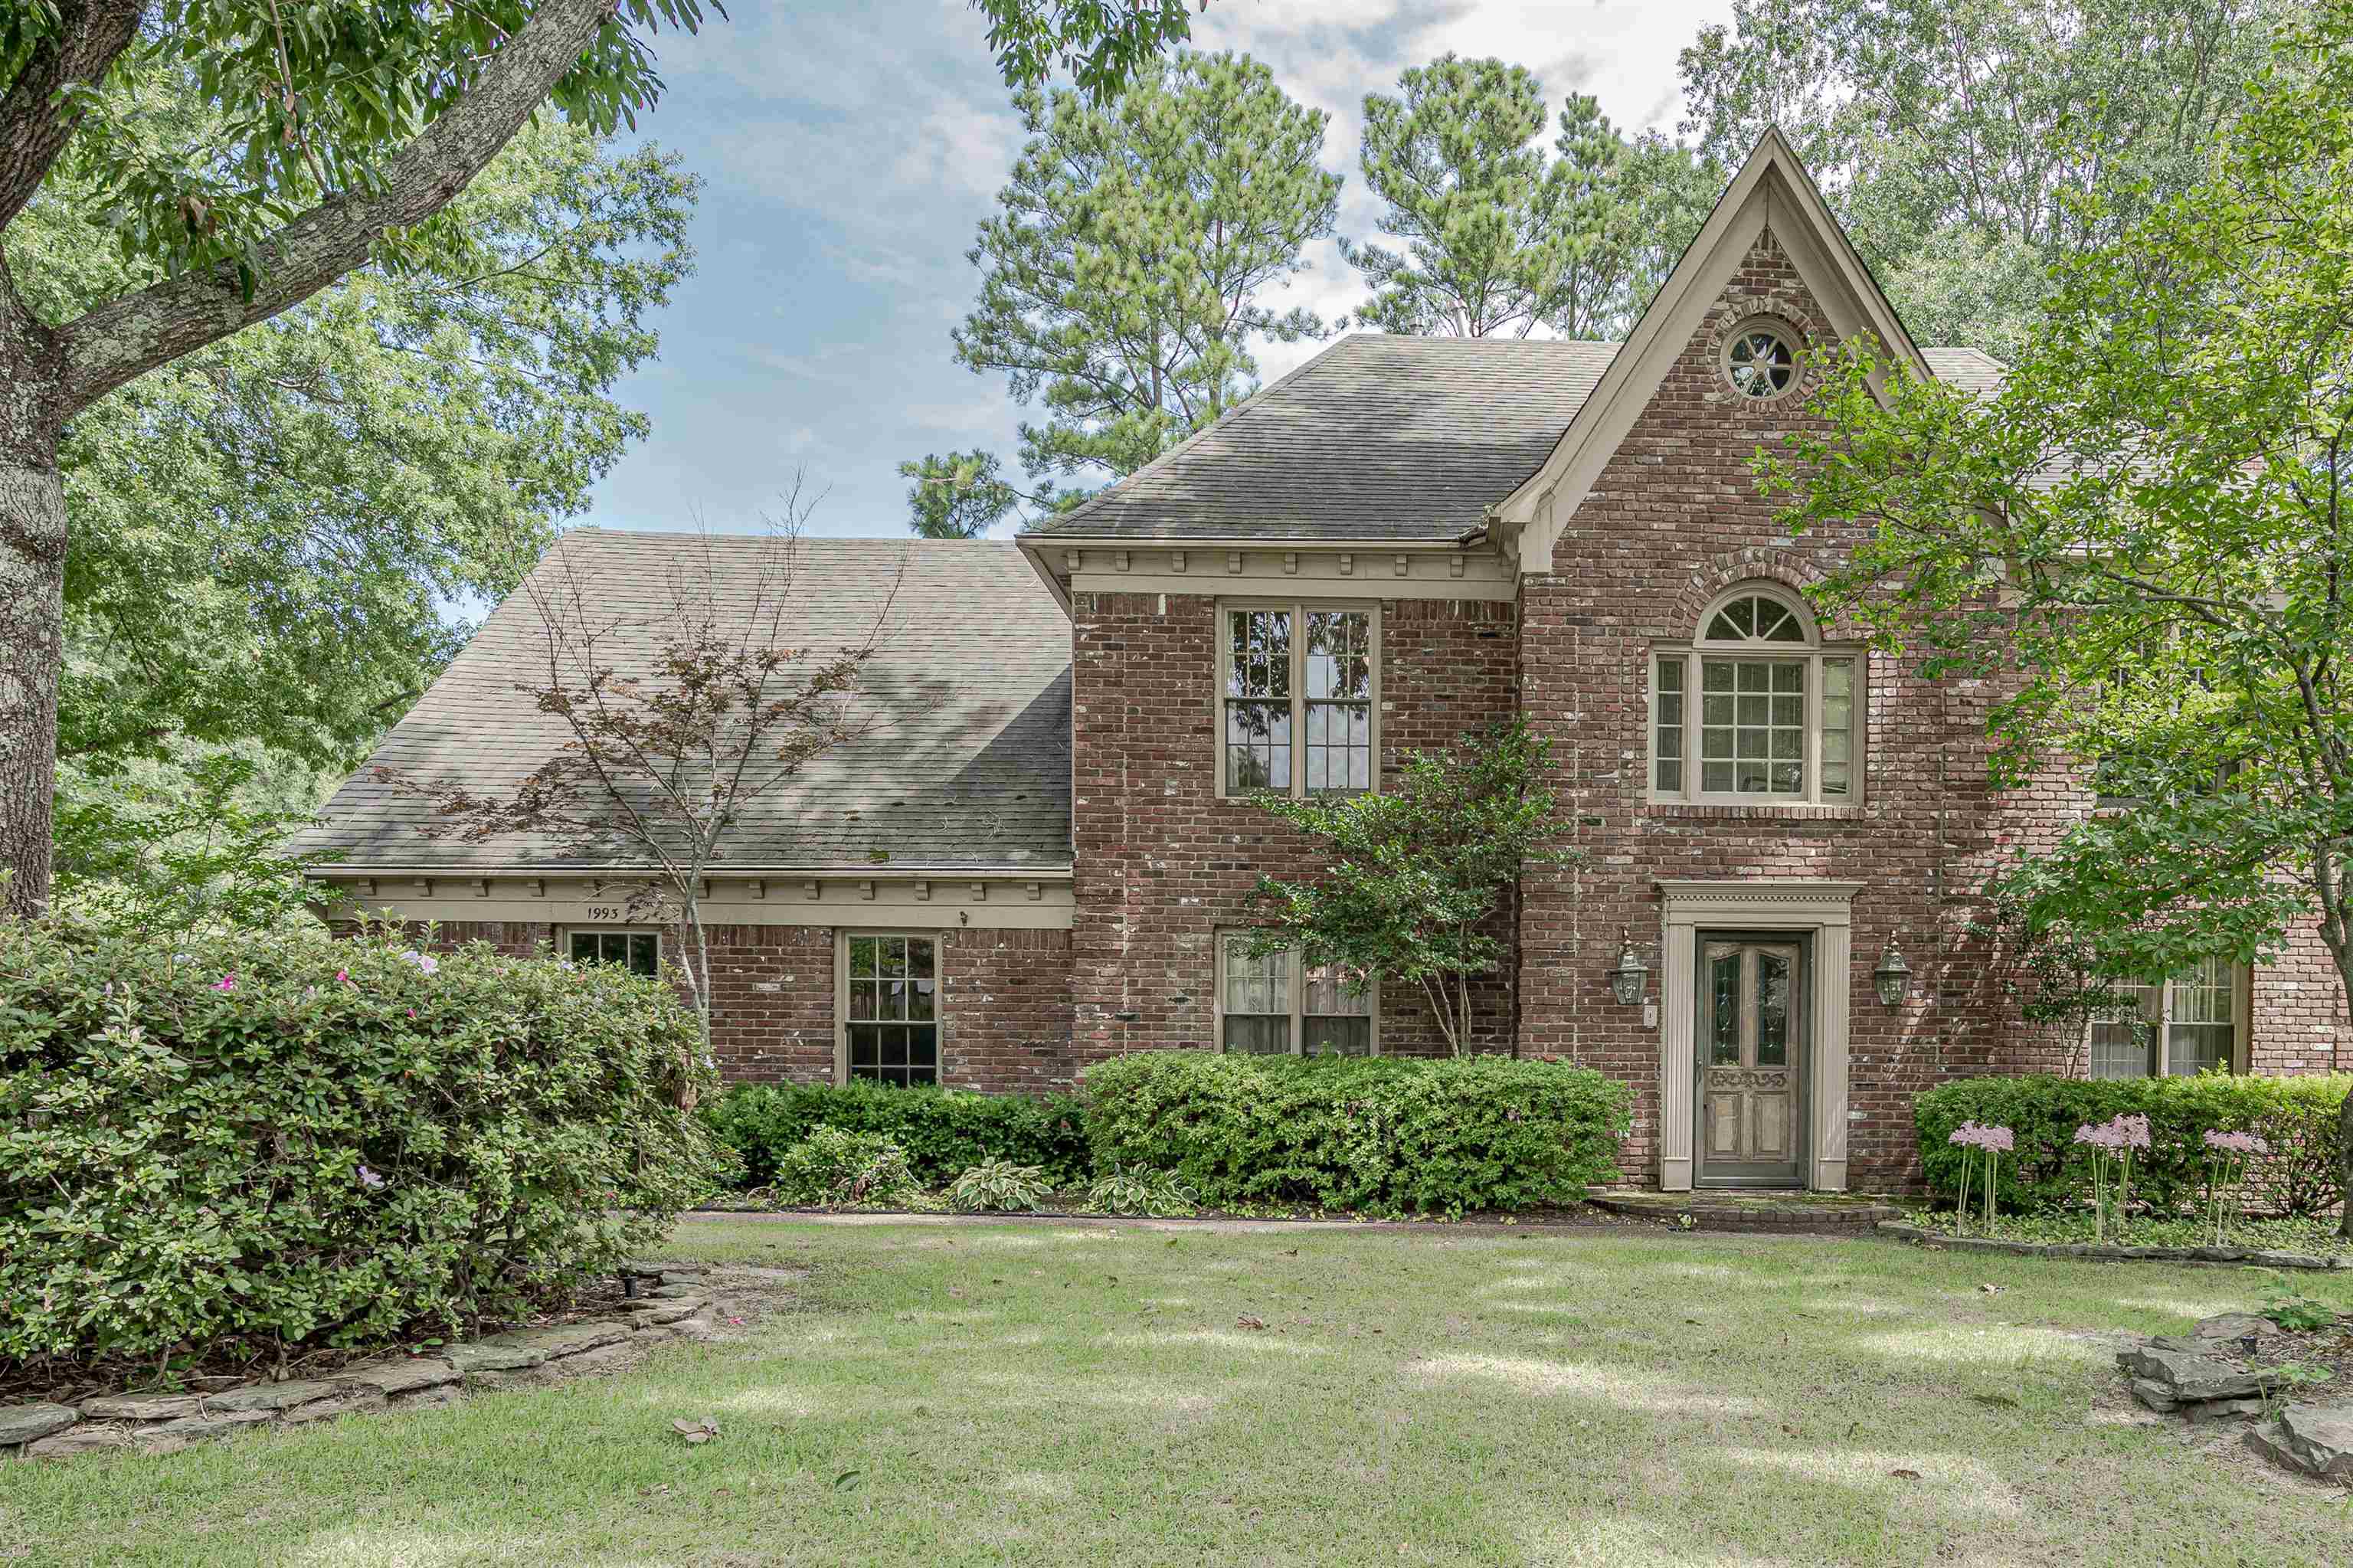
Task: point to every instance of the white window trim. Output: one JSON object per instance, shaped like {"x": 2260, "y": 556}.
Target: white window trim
{"x": 1298, "y": 609}
{"x": 2243, "y": 987}
{"x": 1298, "y": 1000}
{"x": 1813, "y": 653}
{"x": 589, "y": 930}
{"x": 938, "y": 939}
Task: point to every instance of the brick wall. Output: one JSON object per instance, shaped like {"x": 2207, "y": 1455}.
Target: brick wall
{"x": 1673, "y": 520}
{"x": 1005, "y": 999}
{"x": 1161, "y": 864}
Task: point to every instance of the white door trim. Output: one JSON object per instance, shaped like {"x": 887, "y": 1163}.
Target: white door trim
{"x": 1826, "y": 909}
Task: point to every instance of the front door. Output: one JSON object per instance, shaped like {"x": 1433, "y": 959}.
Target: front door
{"x": 1752, "y": 1027}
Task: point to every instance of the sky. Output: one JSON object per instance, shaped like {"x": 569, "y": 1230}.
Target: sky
{"x": 848, "y": 155}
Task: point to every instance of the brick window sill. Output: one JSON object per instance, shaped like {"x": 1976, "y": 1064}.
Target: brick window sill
{"x": 1683, "y": 810}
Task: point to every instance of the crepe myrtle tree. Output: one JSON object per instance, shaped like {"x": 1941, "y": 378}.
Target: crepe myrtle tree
{"x": 1417, "y": 870}
{"x": 345, "y": 127}
{"x": 2144, "y": 541}
{"x": 658, "y": 768}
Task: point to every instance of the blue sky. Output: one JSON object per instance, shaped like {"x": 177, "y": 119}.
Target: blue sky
{"x": 848, "y": 154}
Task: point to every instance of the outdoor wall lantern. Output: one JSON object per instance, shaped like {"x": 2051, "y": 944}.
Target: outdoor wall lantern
{"x": 1627, "y": 979}
{"x": 1893, "y": 976}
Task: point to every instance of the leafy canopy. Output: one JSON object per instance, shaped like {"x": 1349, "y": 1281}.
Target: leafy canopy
{"x": 2144, "y": 540}
{"x": 1960, "y": 140}
{"x": 1124, "y": 275}
{"x": 1418, "y": 870}
{"x": 1499, "y": 238}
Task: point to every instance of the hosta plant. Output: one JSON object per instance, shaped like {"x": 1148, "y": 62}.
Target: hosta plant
{"x": 999, "y": 1186}
{"x": 1134, "y": 1190}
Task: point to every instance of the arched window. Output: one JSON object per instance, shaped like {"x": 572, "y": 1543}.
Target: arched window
{"x": 1755, "y": 710}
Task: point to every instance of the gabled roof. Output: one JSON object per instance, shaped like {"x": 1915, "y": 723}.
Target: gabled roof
{"x": 967, "y": 765}
{"x": 1377, "y": 438}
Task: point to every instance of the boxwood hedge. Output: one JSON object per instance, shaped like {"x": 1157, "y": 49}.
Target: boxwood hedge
{"x": 248, "y": 1142}
{"x": 1381, "y": 1135}
{"x": 2296, "y": 1116}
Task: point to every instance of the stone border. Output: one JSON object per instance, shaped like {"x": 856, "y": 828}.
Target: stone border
{"x": 679, "y": 1306}
{"x": 2109, "y": 1252}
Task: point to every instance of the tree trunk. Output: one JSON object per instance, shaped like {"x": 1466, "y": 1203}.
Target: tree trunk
{"x": 32, "y": 636}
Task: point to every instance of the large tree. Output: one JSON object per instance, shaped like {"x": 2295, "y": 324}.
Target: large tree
{"x": 1125, "y": 278}
{"x": 345, "y": 128}
{"x": 270, "y": 535}
{"x": 1496, "y": 238}
{"x": 2145, "y": 543}
{"x": 1958, "y": 139}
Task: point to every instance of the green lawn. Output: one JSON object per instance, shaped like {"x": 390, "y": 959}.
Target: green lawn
{"x": 1029, "y": 1395}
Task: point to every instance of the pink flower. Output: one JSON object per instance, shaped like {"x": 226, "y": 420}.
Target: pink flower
{"x": 2103, "y": 1136}
{"x": 2235, "y": 1142}
{"x": 226, "y": 982}
{"x": 2133, "y": 1130}
{"x": 425, "y": 962}
{"x": 412, "y": 1012}
{"x": 2000, "y": 1139}
{"x": 343, "y": 976}
{"x": 369, "y": 1179}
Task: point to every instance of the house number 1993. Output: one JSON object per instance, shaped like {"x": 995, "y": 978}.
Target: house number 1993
{"x": 604, "y": 912}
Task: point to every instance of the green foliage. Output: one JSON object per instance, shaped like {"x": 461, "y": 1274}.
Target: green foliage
{"x": 2298, "y": 1117}
{"x": 999, "y": 1186}
{"x": 1377, "y": 1135}
{"x": 2297, "y": 1314}
{"x": 1969, "y": 145}
{"x": 1497, "y": 238}
{"x": 1104, "y": 44}
{"x": 185, "y": 849}
{"x": 960, "y": 496}
{"x": 1419, "y": 867}
{"x": 1135, "y": 1190}
{"x": 1122, "y": 278}
{"x": 945, "y": 1132}
{"x": 834, "y": 1167}
{"x": 269, "y": 534}
{"x": 248, "y": 1141}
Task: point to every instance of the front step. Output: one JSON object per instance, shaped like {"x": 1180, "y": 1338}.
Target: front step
{"x": 1821, "y": 1213}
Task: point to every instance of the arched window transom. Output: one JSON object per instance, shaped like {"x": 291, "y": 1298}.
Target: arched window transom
{"x": 1756, "y": 710}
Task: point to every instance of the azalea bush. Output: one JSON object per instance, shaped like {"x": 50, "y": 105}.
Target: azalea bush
{"x": 1380, "y": 1135}
{"x": 2296, "y": 1118}
{"x": 944, "y": 1132}
{"x": 834, "y": 1167}
{"x": 249, "y": 1142}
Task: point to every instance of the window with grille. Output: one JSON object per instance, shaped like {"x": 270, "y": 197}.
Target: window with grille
{"x": 639, "y": 952}
{"x": 1298, "y": 699}
{"x": 1755, "y": 710}
{"x": 890, "y": 1015}
{"x": 2185, "y": 1024}
{"x": 1274, "y": 1005}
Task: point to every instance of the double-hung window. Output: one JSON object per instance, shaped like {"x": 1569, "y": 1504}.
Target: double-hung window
{"x": 1756, "y": 710}
{"x": 1298, "y": 699}
{"x": 1274, "y": 1005}
{"x": 639, "y": 952}
{"x": 890, "y": 1009}
{"x": 2186, "y": 1023}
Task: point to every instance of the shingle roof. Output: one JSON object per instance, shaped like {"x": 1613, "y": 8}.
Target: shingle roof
{"x": 1381, "y": 436}
{"x": 967, "y": 765}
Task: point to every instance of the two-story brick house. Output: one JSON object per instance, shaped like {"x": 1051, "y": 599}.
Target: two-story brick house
{"x": 1034, "y": 863}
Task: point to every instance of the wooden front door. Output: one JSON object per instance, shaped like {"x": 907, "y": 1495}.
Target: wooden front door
{"x": 1752, "y": 1027}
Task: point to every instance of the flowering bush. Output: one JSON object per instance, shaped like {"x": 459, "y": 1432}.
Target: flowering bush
{"x": 1382, "y": 1135}
{"x": 2295, "y": 1117}
{"x": 251, "y": 1142}
{"x": 2113, "y": 1144}
{"x": 1995, "y": 1142}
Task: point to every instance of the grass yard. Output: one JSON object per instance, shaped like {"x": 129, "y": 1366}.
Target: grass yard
{"x": 1021, "y": 1394}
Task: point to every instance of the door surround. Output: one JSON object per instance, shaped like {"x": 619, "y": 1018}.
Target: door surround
{"x": 1825, "y": 910}
{"x": 1790, "y": 1171}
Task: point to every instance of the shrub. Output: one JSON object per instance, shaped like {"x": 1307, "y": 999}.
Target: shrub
{"x": 2295, "y": 1117}
{"x": 248, "y": 1141}
{"x": 999, "y": 1186}
{"x": 1132, "y": 1190}
{"x": 834, "y": 1166}
{"x": 1381, "y": 1135}
{"x": 945, "y": 1132}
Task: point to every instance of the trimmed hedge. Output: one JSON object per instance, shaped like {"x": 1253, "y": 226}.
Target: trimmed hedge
{"x": 1388, "y": 1136}
{"x": 945, "y": 1132}
{"x": 2298, "y": 1117}
{"x": 249, "y": 1141}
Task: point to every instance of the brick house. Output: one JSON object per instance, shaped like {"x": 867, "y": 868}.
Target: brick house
{"x": 1034, "y": 863}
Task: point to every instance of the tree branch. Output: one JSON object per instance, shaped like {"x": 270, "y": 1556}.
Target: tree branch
{"x": 129, "y": 336}
{"x": 35, "y": 122}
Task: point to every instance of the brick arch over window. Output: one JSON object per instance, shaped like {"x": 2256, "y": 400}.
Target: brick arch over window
{"x": 1786, "y": 309}
{"x": 1784, "y": 569}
